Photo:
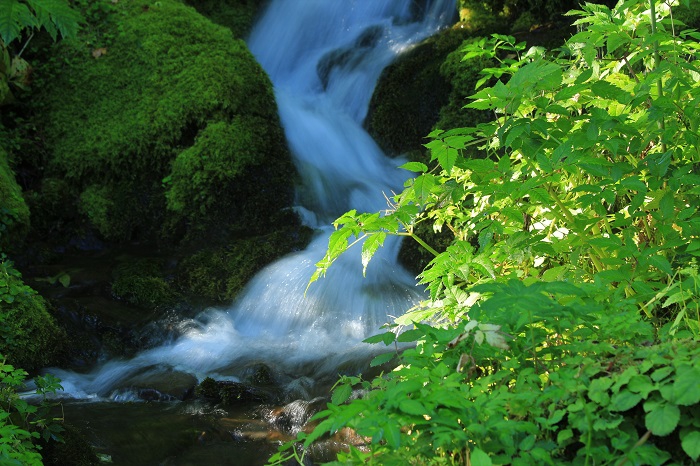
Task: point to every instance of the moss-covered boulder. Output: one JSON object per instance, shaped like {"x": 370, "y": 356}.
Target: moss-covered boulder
{"x": 237, "y": 15}
{"x": 14, "y": 213}
{"x": 219, "y": 273}
{"x": 161, "y": 125}
{"x": 141, "y": 283}
{"x": 409, "y": 95}
{"x": 29, "y": 336}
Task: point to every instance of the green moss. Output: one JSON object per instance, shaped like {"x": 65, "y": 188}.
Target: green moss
{"x": 237, "y": 15}
{"x": 14, "y": 213}
{"x": 220, "y": 273}
{"x": 116, "y": 115}
{"x": 140, "y": 283}
{"x": 30, "y": 337}
{"x": 408, "y": 97}
{"x": 229, "y": 162}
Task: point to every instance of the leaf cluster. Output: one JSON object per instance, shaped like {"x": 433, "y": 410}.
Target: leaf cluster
{"x": 563, "y": 321}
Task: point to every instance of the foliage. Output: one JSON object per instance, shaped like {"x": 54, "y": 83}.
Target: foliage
{"x": 563, "y": 324}
{"x": 22, "y": 423}
{"x": 19, "y": 18}
{"x": 14, "y": 214}
{"x": 410, "y": 93}
{"x": 29, "y": 335}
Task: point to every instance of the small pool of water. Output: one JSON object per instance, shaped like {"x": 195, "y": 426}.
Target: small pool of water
{"x": 173, "y": 433}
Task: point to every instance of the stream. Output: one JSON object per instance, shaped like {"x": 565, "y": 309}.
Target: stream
{"x": 324, "y": 59}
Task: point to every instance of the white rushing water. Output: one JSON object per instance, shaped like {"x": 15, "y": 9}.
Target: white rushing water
{"x": 324, "y": 58}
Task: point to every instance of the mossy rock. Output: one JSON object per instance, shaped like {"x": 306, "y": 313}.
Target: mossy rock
{"x": 229, "y": 393}
{"x": 237, "y": 15}
{"x": 220, "y": 273}
{"x": 160, "y": 96}
{"x": 14, "y": 213}
{"x": 409, "y": 95}
{"x": 30, "y": 337}
{"x": 140, "y": 282}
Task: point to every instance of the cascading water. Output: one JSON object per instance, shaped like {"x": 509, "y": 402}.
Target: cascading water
{"x": 324, "y": 58}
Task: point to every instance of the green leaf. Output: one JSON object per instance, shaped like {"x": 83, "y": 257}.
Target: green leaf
{"x": 392, "y": 434}
{"x": 480, "y": 458}
{"x": 14, "y": 17}
{"x": 341, "y": 394}
{"x": 410, "y": 335}
{"x": 387, "y": 338}
{"x": 369, "y": 247}
{"x": 382, "y": 359}
{"x": 417, "y": 167}
{"x": 413, "y": 407}
{"x": 58, "y": 13}
{"x": 686, "y": 387}
{"x": 624, "y": 400}
{"x": 663, "y": 419}
{"x": 690, "y": 442}
{"x": 422, "y": 187}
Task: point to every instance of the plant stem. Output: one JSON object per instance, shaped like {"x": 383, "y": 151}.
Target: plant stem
{"x": 421, "y": 242}
{"x": 657, "y": 62}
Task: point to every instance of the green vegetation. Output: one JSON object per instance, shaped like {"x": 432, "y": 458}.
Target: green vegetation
{"x": 23, "y": 424}
{"x": 220, "y": 273}
{"x": 563, "y": 323}
{"x": 140, "y": 282}
{"x": 152, "y": 96}
{"x": 30, "y": 337}
{"x": 14, "y": 213}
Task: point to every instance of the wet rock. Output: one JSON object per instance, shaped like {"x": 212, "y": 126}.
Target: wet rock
{"x": 228, "y": 392}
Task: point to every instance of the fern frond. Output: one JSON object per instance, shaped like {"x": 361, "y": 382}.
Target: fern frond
{"x": 56, "y": 15}
{"x": 14, "y": 17}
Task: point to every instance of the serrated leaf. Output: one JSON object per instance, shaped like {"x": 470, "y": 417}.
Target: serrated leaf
{"x": 387, "y": 338}
{"x": 382, "y": 359}
{"x": 369, "y": 247}
{"x": 341, "y": 394}
{"x": 447, "y": 159}
{"x": 422, "y": 187}
{"x": 14, "y": 17}
{"x": 417, "y": 167}
{"x": 410, "y": 335}
{"x": 663, "y": 419}
{"x": 57, "y": 13}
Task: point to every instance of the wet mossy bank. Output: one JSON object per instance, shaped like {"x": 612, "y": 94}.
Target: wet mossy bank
{"x": 155, "y": 130}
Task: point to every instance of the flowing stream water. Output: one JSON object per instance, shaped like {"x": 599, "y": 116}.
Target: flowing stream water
{"x": 324, "y": 58}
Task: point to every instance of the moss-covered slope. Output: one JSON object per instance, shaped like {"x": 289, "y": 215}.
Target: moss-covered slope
{"x": 159, "y": 122}
{"x": 14, "y": 213}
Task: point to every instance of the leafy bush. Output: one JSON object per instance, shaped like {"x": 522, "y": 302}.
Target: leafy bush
{"x": 14, "y": 214}
{"x": 563, "y": 324}
{"x": 29, "y": 336}
{"x": 21, "y": 423}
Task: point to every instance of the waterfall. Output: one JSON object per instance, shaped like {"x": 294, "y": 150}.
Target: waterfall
{"x": 324, "y": 59}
